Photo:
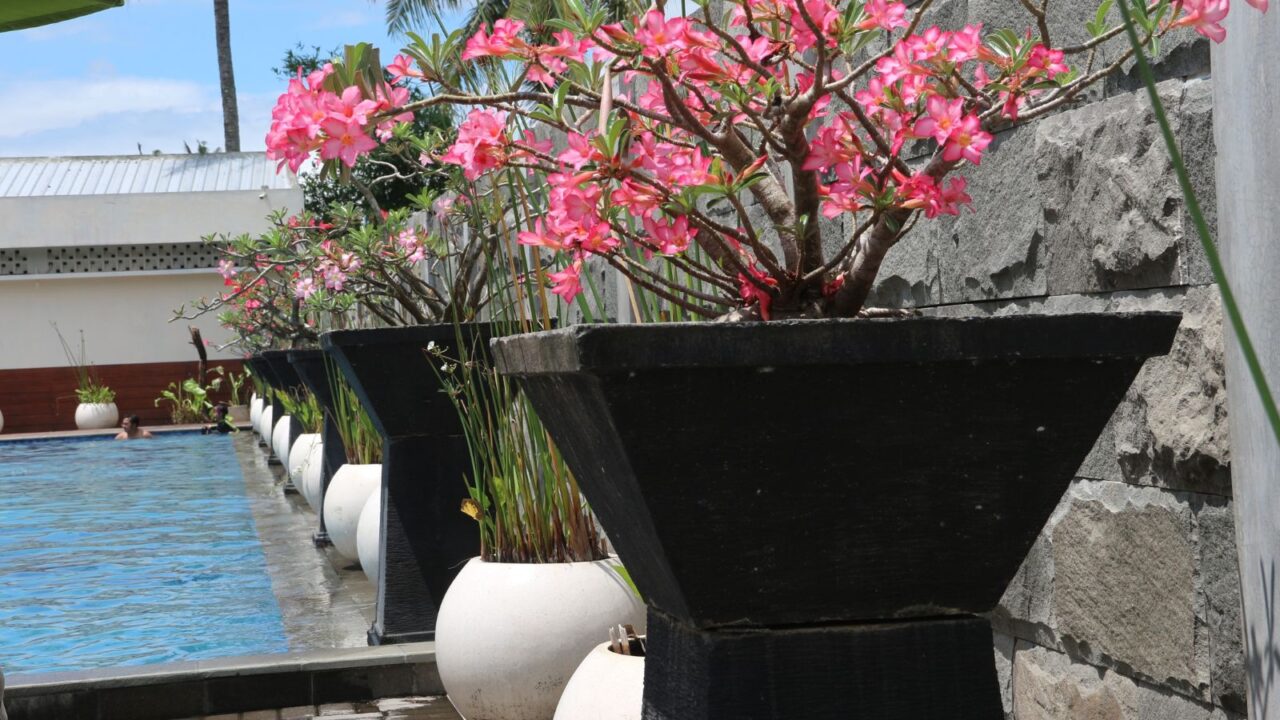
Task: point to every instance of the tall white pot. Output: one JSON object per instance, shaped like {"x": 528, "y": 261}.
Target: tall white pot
{"x": 349, "y": 490}
{"x": 1, "y": 422}
{"x": 255, "y": 411}
{"x": 264, "y": 423}
{"x": 280, "y": 438}
{"x": 313, "y": 476}
{"x": 369, "y": 535}
{"x": 509, "y": 635}
{"x": 606, "y": 686}
{"x": 95, "y": 416}
{"x": 300, "y": 455}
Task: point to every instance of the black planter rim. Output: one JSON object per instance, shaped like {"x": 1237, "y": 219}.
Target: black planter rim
{"x": 791, "y": 343}
{"x": 389, "y": 336}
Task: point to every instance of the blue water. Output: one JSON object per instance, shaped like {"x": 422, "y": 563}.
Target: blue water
{"x": 129, "y": 553}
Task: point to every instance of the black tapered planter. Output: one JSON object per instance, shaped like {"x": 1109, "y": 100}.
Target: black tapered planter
{"x": 286, "y": 379}
{"x": 818, "y": 512}
{"x": 426, "y": 539}
{"x": 312, "y": 369}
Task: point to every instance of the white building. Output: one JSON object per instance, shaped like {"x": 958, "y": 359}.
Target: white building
{"x": 111, "y": 246}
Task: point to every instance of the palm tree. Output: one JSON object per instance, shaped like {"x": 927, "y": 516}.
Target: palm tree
{"x": 405, "y": 15}
{"x": 226, "y": 77}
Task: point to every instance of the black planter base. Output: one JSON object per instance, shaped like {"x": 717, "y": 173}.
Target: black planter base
{"x": 321, "y": 539}
{"x": 915, "y": 670}
{"x": 377, "y": 637}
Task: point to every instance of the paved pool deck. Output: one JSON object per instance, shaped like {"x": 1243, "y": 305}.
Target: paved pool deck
{"x": 327, "y": 606}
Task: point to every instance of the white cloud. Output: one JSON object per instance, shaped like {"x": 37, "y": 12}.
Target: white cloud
{"x": 63, "y": 104}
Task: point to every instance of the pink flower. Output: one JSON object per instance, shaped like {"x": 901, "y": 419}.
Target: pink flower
{"x": 1047, "y": 62}
{"x": 567, "y": 283}
{"x": 402, "y": 67}
{"x": 504, "y": 41}
{"x": 305, "y": 288}
{"x": 227, "y": 269}
{"x": 672, "y": 238}
{"x": 967, "y": 141}
{"x": 884, "y": 15}
{"x": 346, "y": 140}
{"x": 1205, "y": 15}
{"x": 944, "y": 117}
{"x": 481, "y": 145}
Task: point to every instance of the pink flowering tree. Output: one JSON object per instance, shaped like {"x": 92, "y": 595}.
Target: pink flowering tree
{"x": 308, "y": 274}
{"x": 647, "y": 142}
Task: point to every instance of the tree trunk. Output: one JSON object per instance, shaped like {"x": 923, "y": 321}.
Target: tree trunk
{"x": 226, "y": 77}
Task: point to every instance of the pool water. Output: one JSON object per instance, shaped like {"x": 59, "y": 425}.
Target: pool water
{"x": 129, "y": 553}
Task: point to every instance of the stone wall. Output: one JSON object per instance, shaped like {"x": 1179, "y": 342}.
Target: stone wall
{"x": 1127, "y": 606}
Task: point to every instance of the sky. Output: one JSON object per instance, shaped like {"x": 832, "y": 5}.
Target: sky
{"x": 147, "y": 73}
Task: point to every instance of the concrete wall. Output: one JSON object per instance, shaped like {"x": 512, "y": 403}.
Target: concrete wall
{"x": 125, "y": 318}
{"x": 1248, "y": 99}
{"x": 137, "y": 219}
{"x": 1128, "y": 605}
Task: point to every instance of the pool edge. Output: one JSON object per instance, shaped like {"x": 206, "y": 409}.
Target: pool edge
{"x": 226, "y": 685}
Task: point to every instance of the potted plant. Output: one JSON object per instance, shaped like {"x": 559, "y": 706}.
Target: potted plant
{"x": 238, "y": 408}
{"x": 856, "y": 490}
{"x": 519, "y": 619}
{"x": 609, "y": 684}
{"x": 359, "y": 478}
{"x": 328, "y": 454}
{"x": 97, "y": 408}
{"x": 188, "y": 400}
{"x": 301, "y": 405}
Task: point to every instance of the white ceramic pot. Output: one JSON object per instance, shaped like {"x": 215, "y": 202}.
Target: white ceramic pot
{"x": 280, "y": 437}
{"x": 312, "y": 476}
{"x": 264, "y": 423}
{"x": 238, "y": 414}
{"x": 300, "y": 455}
{"x": 95, "y": 416}
{"x": 509, "y": 635}
{"x": 349, "y": 490}
{"x": 1, "y": 422}
{"x": 369, "y": 536}
{"x": 255, "y": 412}
{"x": 606, "y": 686}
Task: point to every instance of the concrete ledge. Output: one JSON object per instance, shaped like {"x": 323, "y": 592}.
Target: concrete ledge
{"x": 226, "y": 685}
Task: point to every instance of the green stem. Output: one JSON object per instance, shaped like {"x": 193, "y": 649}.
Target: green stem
{"x": 1210, "y": 250}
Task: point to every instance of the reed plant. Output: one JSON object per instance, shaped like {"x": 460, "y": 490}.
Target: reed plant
{"x": 360, "y": 439}
{"x": 89, "y": 387}
{"x": 302, "y": 406}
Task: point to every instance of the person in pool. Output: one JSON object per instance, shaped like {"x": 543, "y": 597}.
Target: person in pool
{"x": 221, "y": 421}
{"x": 132, "y": 429}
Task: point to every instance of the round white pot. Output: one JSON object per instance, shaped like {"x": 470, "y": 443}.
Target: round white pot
{"x": 509, "y": 636}
{"x": 1, "y": 422}
{"x": 264, "y": 423}
{"x": 369, "y": 535}
{"x": 255, "y": 412}
{"x": 606, "y": 686}
{"x": 95, "y": 416}
{"x": 280, "y": 437}
{"x": 312, "y": 475}
{"x": 300, "y": 455}
{"x": 349, "y": 490}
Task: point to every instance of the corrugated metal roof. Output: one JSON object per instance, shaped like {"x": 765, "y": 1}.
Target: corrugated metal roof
{"x": 140, "y": 174}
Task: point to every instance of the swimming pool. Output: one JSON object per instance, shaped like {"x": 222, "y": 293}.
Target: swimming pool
{"x": 129, "y": 553}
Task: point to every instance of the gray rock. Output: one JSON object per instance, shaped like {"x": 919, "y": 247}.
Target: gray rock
{"x": 1172, "y": 428}
{"x": 910, "y": 275}
{"x": 1112, "y": 206}
{"x": 1199, "y": 153}
{"x": 1004, "y": 671}
{"x": 1220, "y": 584}
{"x": 1048, "y": 686}
{"x": 1124, "y": 582}
{"x": 997, "y": 251}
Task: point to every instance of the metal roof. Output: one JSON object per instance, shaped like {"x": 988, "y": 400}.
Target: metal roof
{"x": 140, "y": 174}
